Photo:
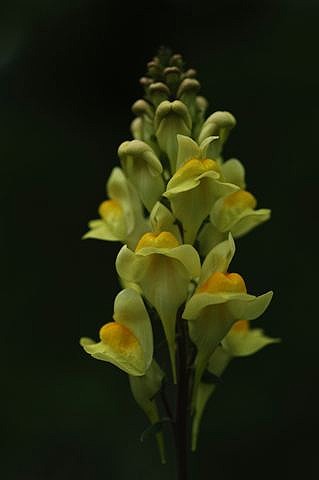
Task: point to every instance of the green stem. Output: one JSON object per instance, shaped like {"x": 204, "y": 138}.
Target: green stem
{"x": 181, "y": 425}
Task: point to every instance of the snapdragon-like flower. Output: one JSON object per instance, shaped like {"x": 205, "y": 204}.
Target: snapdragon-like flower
{"x": 195, "y": 186}
{"x": 121, "y": 215}
{"x": 235, "y": 213}
{"x": 219, "y": 301}
{"x": 128, "y": 341}
{"x": 176, "y": 204}
{"x": 163, "y": 269}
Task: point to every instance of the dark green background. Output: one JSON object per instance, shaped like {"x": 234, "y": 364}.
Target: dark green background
{"x": 68, "y": 75}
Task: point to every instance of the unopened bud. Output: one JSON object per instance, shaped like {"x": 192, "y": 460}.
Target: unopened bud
{"x": 158, "y": 92}
{"x": 141, "y": 108}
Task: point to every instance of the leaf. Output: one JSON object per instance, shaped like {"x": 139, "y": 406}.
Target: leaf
{"x": 154, "y": 428}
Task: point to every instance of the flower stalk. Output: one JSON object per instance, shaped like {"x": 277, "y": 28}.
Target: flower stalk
{"x": 176, "y": 205}
{"x": 182, "y": 403}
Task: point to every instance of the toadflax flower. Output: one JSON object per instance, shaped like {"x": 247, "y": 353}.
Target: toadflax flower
{"x": 195, "y": 186}
{"x": 122, "y": 215}
{"x": 163, "y": 269}
{"x": 176, "y": 204}
{"x": 128, "y": 341}
{"x": 219, "y": 301}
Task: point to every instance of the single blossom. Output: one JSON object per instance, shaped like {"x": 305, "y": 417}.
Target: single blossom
{"x": 235, "y": 213}
{"x": 163, "y": 269}
{"x": 219, "y": 301}
{"x": 127, "y": 342}
{"x": 196, "y": 185}
{"x": 121, "y": 215}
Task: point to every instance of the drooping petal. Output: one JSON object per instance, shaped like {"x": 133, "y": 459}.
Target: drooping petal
{"x": 246, "y": 342}
{"x": 250, "y": 220}
{"x": 102, "y": 230}
{"x": 249, "y": 307}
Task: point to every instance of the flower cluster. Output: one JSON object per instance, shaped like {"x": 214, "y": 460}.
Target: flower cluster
{"x": 176, "y": 204}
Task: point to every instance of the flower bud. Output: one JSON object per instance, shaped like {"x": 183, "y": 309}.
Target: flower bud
{"x": 171, "y": 118}
{"x": 172, "y": 77}
{"x": 141, "y": 108}
{"x": 144, "y": 169}
{"x": 219, "y": 123}
{"x": 158, "y": 92}
{"x": 187, "y": 92}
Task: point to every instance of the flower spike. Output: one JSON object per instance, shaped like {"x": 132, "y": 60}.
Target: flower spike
{"x": 176, "y": 204}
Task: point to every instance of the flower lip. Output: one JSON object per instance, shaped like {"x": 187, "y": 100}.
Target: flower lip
{"x": 223, "y": 282}
{"x": 157, "y": 240}
{"x": 118, "y": 337}
{"x": 240, "y": 326}
{"x": 240, "y": 199}
{"x": 196, "y": 167}
{"x": 110, "y": 209}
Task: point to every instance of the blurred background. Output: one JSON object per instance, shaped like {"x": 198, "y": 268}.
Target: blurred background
{"x": 69, "y": 73}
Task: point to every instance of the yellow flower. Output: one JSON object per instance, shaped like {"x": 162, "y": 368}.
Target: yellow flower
{"x": 128, "y": 341}
{"x": 122, "y": 215}
{"x": 219, "y": 301}
{"x": 195, "y": 186}
{"x": 163, "y": 269}
{"x": 236, "y": 213}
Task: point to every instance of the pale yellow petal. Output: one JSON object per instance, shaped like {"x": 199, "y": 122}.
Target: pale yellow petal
{"x": 234, "y": 172}
{"x": 186, "y": 150}
{"x": 244, "y": 343}
{"x": 130, "y": 311}
{"x": 218, "y": 259}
